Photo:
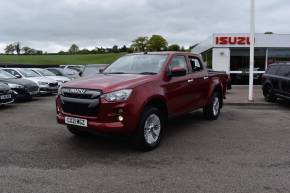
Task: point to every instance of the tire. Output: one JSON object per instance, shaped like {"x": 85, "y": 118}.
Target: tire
{"x": 213, "y": 109}
{"x": 150, "y": 129}
{"x": 268, "y": 94}
{"x": 76, "y": 131}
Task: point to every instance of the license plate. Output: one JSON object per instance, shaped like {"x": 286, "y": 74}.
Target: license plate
{"x": 3, "y": 97}
{"x": 76, "y": 121}
{"x": 33, "y": 93}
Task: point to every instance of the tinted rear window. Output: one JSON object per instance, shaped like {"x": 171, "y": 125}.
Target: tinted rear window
{"x": 284, "y": 70}
{"x": 272, "y": 69}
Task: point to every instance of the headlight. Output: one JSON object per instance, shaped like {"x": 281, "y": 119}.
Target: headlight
{"x": 42, "y": 83}
{"x": 116, "y": 96}
{"x": 12, "y": 85}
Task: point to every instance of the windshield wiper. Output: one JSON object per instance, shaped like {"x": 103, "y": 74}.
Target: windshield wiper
{"x": 114, "y": 73}
{"x": 148, "y": 73}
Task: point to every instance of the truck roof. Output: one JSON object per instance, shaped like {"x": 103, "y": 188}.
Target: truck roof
{"x": 165, "y": 53}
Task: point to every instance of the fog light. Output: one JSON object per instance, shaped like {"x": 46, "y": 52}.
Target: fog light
{"x": 120, "y": 118}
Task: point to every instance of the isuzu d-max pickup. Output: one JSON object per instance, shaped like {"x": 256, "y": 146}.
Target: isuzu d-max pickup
{"x": 138, "y": 93}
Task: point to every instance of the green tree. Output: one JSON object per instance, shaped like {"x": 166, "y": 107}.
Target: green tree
{"x": 140, "y": 44}
{"x": 10, "y": 49}
{"x": 26, "y": 50}
{"x": 157, "y": 43}
{"x": 115, "y": 49}
{"x": 74, "y": 49}
{"x": 174, "y": 47}
{"x": 17, "y": 48}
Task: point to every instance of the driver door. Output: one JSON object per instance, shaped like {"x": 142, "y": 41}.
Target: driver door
{"x": 178, "y": 89}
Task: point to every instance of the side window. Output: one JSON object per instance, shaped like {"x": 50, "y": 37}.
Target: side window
{"x": 13, "y": 72}
{"x": 179, "y": 61}
{"x": 288, "y": 71}
{"x": 282, "y": 71}
{"x": 195, "y": 64}
{"x": 272, "y": 70}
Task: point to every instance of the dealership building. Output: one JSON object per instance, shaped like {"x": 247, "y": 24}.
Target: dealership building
{"x": 230, "y": 52}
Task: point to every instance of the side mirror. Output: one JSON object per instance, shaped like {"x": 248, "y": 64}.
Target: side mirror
{"x": 80, "y": 73}
{"x": 101, "y": 70}
{"x": 17, "y": 76}
{"x": 177, "y": 71}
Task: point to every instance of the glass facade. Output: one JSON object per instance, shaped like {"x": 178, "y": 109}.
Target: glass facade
{"x": 207, "y": 58}
{"x": 278, "y": 55}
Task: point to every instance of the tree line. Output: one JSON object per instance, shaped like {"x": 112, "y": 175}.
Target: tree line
{"x": 140, "y": 44}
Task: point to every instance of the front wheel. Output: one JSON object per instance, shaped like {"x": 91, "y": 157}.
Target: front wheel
{"x": 150, "y": 129}
{"x": 268, "y": 94}
{"x": 213, "y": 109}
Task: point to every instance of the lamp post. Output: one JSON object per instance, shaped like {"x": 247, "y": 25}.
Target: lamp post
{"x": 252, "y": 51}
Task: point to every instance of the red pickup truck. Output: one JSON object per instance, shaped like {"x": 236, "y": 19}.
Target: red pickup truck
{"x": 138, "y": 93}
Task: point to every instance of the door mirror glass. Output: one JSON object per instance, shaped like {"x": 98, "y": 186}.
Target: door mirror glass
{"x": 177, "y": 71}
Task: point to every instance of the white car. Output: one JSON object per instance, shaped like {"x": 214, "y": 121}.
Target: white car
{"x": 48, "y": 74}
{"x": 46, "y": 85}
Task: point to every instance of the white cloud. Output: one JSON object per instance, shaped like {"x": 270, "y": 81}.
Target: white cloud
{"x": 53, "y": 25}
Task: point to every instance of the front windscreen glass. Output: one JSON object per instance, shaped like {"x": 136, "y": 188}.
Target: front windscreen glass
{"x": 6, "y": 75}
{"x": 137, "y": 64}
{"x": 28, "y": 73}
{"x": 45, "y": 72}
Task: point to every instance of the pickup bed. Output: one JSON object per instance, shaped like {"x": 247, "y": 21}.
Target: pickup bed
{"x": 138, "y": 93}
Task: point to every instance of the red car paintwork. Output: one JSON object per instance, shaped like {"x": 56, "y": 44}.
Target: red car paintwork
{"x": 178, "y": 94}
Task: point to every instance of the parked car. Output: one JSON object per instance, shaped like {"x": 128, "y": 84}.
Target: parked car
{"x": 78, "y": 68}
{"x": 25, "y": 89}
{"x": 6, "y": 94}
{"x": 70, "y": 73}
{"x": 46, "y": 85}
{"x": 138, "y": 93}
{"x": 276, "y": 82}
{"x": 48, "y": 74}
{"x": 92, "y": 69}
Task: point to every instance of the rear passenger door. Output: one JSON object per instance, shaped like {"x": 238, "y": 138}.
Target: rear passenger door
{"x": 200, "y": 82}
{"x": 285, "y": 80}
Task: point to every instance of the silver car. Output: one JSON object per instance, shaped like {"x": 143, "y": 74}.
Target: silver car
{"x": 48, "y": 74}
{"x": 46, "y": 85}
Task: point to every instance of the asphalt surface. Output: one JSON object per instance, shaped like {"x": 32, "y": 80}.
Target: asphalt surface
{"x": 246, "y": 150}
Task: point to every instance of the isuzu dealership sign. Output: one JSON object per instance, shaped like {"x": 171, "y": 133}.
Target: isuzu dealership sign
{"x": 232, "y": 40}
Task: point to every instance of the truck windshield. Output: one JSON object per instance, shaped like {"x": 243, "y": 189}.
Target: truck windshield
{"x": 137, "y": 64}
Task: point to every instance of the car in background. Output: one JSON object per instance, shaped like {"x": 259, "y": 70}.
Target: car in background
{"x": 276, "y": 82}
{"x": 70, "y": 73}
{"x": 6, "y": 94}
{"x": 78, "y": 68}
{"x": 46, "y": 85}
{"x": 24, "y": 89}
{"x": 92, "y": 69}
{"x": 48, "y": 74}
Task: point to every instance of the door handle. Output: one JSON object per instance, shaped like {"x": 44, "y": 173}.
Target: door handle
{"x": 190, "y": 80}
{"x": 206, "y": 77}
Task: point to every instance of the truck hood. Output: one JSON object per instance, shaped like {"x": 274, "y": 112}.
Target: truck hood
{"x": 110, "y": 82}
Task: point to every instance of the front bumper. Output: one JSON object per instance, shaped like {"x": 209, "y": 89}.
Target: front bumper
{"x": 7, "y": 100}
{"x": 106, "y": 119}
{"x": 48, "y": 90}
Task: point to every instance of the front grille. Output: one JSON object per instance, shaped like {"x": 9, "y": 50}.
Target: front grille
{"x": 80, "y": 109}
{"x": 6, "y": 100}
{"x": 87, "y": 94}
{"x": 80, "y": 101}
{"x": 33, "y": 88}
{"x": 53, "y": 84}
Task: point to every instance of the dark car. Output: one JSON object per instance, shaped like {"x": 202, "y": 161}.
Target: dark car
{"x": 25, "y": 89}
{"x": 91, "y": 69}
{"x": 70, "y": 73}
{"x": 6, "y": 94}
{"x": 276, "y": 82}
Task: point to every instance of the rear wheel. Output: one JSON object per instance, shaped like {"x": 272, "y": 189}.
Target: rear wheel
{"x": 268, "y": 94}
{"x": 150, "y": 129}
{"x": 212, "y": 110}
{"x": 76, "y": 131}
